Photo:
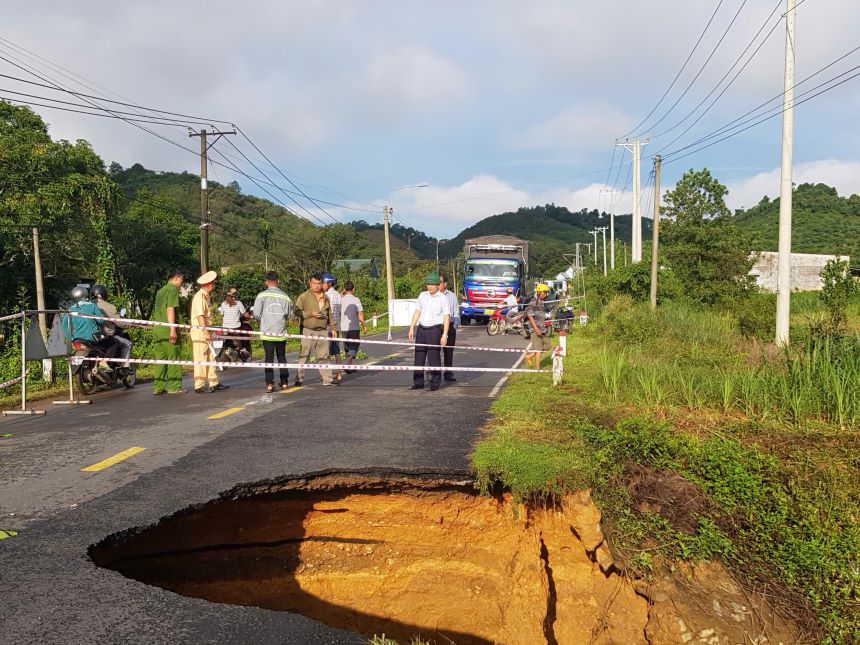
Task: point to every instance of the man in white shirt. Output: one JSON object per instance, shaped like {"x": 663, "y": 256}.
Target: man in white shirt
{"x": 432, "y": 319}
{"x": 351, "y": 321}
{"x": 448, "y": 352}
{"x": 512, "y": 305}
{"x": 334, "y": 297}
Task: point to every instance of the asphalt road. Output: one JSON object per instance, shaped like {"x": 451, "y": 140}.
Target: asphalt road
{"x": 53, "y": 593}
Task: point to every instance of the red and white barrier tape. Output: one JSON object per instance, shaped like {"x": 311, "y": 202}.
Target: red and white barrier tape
{"x": 77, "y": 360}
{"x": 13, "y": 381}
{"x": 246, "y": 332}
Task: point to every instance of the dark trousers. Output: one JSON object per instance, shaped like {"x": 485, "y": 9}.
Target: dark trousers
{"x": 245, "y": 343}
{"x": 448, "y": 351}
{"x": 428, "y": 355}
{"x": 271, "y": 349}
{"x": 352, "y": 348}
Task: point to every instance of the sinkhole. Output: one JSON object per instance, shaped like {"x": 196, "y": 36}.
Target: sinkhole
{"x": 394, "y": 553}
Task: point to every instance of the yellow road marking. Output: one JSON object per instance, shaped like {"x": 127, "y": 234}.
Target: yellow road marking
{"x": 110, "y": 461}
{"x": 225, "y": 413}
{"x": 291, "y": 389}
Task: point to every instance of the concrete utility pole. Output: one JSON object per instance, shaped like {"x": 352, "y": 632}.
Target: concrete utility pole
{"x": 389, "y": 275}
{"x": 602, "y": 230}
{"x": 594, "y": 232}
{"x": 635, "y": 148}
{"x": 783, "y": 279}
{"x": 204, "y": 192}
{"x": 655, "y": 232}
{"x": 611, "y": 194}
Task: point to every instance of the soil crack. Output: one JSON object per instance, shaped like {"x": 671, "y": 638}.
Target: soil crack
{"x": 551, "y": 598}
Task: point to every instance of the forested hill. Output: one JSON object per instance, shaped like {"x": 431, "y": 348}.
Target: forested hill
{"x": 822, "y": 222}
{"x": 243, "y": 226}
{"x": 554, "y": 229}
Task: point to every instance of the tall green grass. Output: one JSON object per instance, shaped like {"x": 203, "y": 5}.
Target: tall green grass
{"x": 699, "y": 360}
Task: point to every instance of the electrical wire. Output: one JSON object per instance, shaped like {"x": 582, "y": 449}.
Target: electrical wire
{"x": 720, "y": 82}
{"x": 701, "y": 69}
{"x": 680, "y": 71}
{"x": 768, "y": 118}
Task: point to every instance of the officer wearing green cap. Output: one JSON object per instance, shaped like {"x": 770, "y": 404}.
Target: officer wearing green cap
{"x": 430, "y": 324}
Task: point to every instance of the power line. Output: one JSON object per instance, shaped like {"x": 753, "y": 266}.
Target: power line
{"x": 740, "y": 120}
{"x": 701, "y": 69}
{"x": 720, "y": 82}
{"x": 781, "y": 110}
{"x": 194, "y": 119}
{"x": 678, "y": 75}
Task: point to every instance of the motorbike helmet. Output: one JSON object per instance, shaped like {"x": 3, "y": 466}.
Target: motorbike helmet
{"x": 328, "y": 277}
{"x": 99, "y": 291}
{"x": 80, "y": 292}
{"x": 541, "y": 288}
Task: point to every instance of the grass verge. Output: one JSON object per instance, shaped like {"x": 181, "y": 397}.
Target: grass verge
{"x": 685, "y": 479}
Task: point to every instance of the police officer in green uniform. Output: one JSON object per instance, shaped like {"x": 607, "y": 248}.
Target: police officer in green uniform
{"x": 168, "y": 378}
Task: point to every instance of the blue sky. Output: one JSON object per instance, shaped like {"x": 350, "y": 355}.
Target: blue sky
{"x": 494, "y": 105}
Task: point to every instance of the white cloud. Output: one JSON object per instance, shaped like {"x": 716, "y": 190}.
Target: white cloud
{"x": 411, "y": 76}
{"x": 579, "y": 129}
{"x": 842, "y": 175}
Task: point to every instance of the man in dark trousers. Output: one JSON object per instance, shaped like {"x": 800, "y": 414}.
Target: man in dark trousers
{"x": 432, "y": 319}
{"x": 448, "y": 352}
{"x": 272, "y": 308}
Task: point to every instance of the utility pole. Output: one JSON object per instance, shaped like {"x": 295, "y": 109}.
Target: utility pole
{"x": 602, "y": 230}
{"x": 655, "y": 232}
{"x": 611, "y": 203}
{"x": 437, "y": 255}
{"x": 783, "y": 279}
{"x": 389, "y": 275}
{"x": 47, "y": 364}
{"x": 635, "y": 148}
{"x": 594, "y": 233}
{"x": 204, "y": 192}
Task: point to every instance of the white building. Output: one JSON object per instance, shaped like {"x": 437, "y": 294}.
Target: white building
{"x": 805, "y": 270}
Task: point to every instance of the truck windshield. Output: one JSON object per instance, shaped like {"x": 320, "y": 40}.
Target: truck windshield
{"x": 491, "y": 269}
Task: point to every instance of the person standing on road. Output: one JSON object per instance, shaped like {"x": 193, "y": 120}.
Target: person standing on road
{"x": 335, "y": 299}
{"x": 433, "y": 319}
{"x": 536, "y": 315}
{"x": 99, "y": 293}
{"x": 351, "y": 321}
{"x": 168, "y": 378}
{"x": 233, "y": 314}
{"x": 205, "y": 376}
{"x": 448, "y": 352}
{"x": 314, "y": 311}
{"x": 272, "y": 308}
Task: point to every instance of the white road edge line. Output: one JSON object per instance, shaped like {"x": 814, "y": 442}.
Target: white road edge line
{"x": 504, "y": 378}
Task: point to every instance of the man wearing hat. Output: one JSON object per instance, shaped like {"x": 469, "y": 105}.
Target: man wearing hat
{"x": 430, "y": 324}
{"x": 205, "y": 376}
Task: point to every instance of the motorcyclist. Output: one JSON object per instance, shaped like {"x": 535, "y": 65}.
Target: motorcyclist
{"x": 113, "y": 330}
{"x": 88, "y": 329}
{"x": 513, "y": 306}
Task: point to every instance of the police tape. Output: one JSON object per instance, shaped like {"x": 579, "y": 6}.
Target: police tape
{"x": 13, "y": 381}
{"x": 248, "y": 332}
{"x": 78, "y": 360}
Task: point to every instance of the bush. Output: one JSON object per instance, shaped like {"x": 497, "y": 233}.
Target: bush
{"x": 628, "y": 323}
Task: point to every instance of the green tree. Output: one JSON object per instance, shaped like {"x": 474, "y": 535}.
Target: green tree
{"x": 63, "y": 189}
{"x": 709, "y": 254}
{"x": 838, "y": 290}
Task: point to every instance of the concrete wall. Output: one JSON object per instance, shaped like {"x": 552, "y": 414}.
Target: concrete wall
{"x": 805, "y": 270}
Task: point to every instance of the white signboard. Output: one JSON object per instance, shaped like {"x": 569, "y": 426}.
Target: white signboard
{"x": 402, "y": 310}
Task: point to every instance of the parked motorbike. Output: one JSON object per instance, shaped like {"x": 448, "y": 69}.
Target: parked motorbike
{"x": 227, "y": 349}
{"x": 499, "y": 324}
{"x": 562, "y": 317}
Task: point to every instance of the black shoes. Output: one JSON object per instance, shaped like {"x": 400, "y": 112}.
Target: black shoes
{"x": 298, "y": 383}
{"x": 202, "y": 390}
{"x": 434, "y": 387}
{"x": 219, "y": 387}
{"x": 450, "y": 379}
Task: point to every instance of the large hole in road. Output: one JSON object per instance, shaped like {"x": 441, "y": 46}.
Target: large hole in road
{"x": 396, "y": 554}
